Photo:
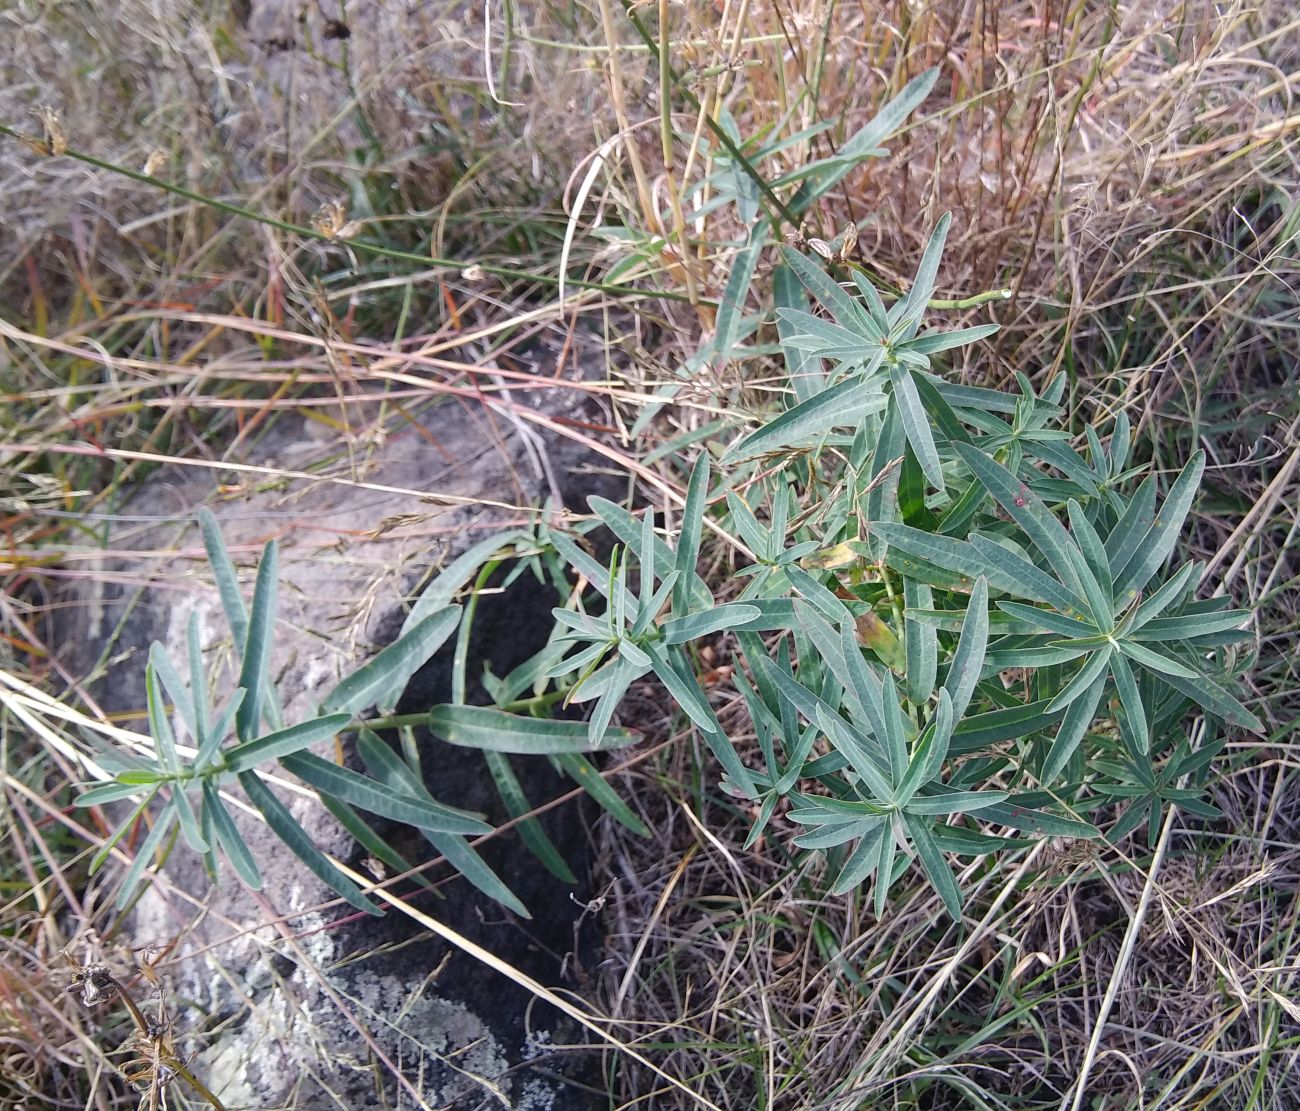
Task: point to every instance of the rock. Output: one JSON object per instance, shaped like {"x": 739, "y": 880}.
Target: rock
{"x": 360, "y": 520}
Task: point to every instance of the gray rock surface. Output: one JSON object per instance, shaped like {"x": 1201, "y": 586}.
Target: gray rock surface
{"x": 381, "y": 507}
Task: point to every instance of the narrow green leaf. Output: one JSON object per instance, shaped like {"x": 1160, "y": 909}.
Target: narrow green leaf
{"x": 676, "y": 676}
{"x": 729, "y": 615}
{"x": 1049, "y": 622}
{"x": 731, "y": 306}
{"x": 393, "y": 771}
{"x": 930, "y": 343}
{"x": 285, "y": 742}
{"x": 852, "y": 744}
{"x": 979, "y": 731}
{"x": 1205, "y": 692}
{"x": 913, "y": 306}
{"x": 1188, "y": 626}
{"x": 805, "y": 372}
{"x": 175, "y": 689}
{"x": 198, "y": 682}
{"x": 1164, "y": 530}
{"x": 935, "y": 867}
{"x": 864, "y": 142}
{"x": 627, "y": 530}
{"x": 968, "y": 661}
{"x": 159, "y": 726}
{"x": 1020, "y": 814}
{"x": 828, "y": 291}
{"x": 287, "y": 829}
{"x": 101, "y": 854}
{"x": 1025, "y": 508}
{"x": 211, "y": 748}
{"x": 257, "y": 650}
{"x": 189, "y": 821}
{"x": 530, "y": 829}
{"x": 922, "y": 643}
{"x": 233, "y": 846}
{"x": 439, "y": 593}
{"x": 1083, "y": 680}
{"x": 1034, "y": 583}
{"x": 955, "y": 802}
{"x": 1156, "y": 661}
{"x": 884, "y": 874}
{"x": 493, "y": 730}
{"x": 363, "y": 792}
{"x": 1077, "y": 719}
{"x": 369, "y": 840}
{"x": 1094, "y": 555}
{"x": 381, "y": 681}
{"x": 108, "y": 792}
{"x": 591, "y": 781}
{"x": 1131, "y": 699}
{"x": 846, "y": 404}
{"x": 1165, "y": 595}
{"x": 1100, "y": 606}
{"x": 917, "y": 425}
{"x": 223, "y": 572}
{"x": 1131, "y": 529}
{"x": 130, "y": 881}
{"x": 862, "y": 861}
{"x": 621, "y": 676}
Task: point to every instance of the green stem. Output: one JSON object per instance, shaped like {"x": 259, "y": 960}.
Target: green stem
{"x": 358, "y": 245}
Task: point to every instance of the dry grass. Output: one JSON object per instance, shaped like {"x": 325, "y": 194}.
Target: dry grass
{"x": 1129, "y": 173}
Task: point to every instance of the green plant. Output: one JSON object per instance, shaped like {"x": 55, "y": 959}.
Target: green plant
{"x": 253, "y": 720}
{"x": 949, "y": 539}
{"x": 955, "y": 589}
